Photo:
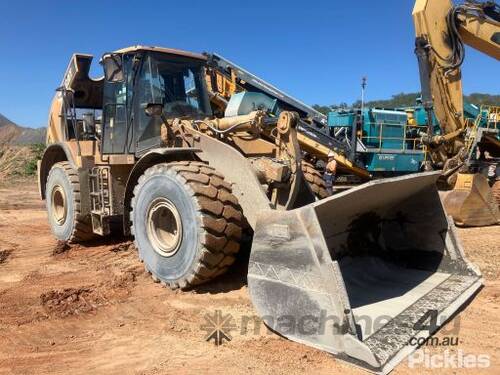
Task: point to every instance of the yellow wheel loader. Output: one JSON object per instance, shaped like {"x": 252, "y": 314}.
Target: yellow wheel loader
{"x": 140, "y": 148}
{"x": 468, "y": 152}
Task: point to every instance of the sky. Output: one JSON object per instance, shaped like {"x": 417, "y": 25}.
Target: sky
{"x": 317, "y": 51}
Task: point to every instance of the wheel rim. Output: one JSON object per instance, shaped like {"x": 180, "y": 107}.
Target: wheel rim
{"x": 59, "y": 206}
{"x": 164, "y": 227}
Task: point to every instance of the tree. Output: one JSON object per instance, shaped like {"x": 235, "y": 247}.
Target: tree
{"x": 324, "y": 109}
{"x": 409, "y": 100}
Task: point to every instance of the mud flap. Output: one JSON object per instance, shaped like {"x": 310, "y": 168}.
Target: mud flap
{"x": 472, "y": 203}
{"x": 354, "y": 273}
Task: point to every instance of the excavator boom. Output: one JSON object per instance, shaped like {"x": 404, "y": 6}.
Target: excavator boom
{"x": 442, "y": 30}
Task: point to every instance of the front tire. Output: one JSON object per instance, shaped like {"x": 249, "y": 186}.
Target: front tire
{"x": 63, "y": 205}
{"x": 186, "y": 223}
{"x": 315, "y": 180}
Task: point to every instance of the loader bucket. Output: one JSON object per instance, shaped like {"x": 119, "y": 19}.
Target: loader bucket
{"x": 472, "y": 203}
{"x": 356, "y": 273}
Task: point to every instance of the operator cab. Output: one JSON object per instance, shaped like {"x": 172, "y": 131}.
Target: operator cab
{"x": 116, "y": 109}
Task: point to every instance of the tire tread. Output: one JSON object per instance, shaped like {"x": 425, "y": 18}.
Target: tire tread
{"x": 220, "y": 219}
{"x": 315, "y": 180}
{"x": 82, "y": 230}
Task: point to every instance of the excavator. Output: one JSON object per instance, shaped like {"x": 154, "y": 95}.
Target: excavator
{"x": 468, "y": 152}
{"x": 144, "y": 150}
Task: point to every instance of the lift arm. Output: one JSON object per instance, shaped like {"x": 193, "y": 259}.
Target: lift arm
{"x": 227, "y": 78}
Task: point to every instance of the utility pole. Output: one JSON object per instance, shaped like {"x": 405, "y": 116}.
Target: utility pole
{"x": 357, "y": 125}
{"x": 364, "y": 82}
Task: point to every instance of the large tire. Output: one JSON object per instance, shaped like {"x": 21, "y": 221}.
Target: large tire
{"x": 63, "y": 205}
{"x": 315, "y": 180}
{"x": 186, "y": 223}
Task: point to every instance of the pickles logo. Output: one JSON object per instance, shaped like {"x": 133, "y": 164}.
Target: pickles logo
{"x": 218, "y": 327}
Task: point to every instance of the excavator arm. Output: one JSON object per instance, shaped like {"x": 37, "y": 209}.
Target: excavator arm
{"x": 442, "y": 30}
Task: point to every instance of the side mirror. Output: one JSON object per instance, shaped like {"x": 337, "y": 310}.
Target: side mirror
{"x": 113, "y": 68}
{"x": 154, "y": 109}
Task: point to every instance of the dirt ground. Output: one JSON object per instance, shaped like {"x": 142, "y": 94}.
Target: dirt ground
{"x": 92, "y": 310}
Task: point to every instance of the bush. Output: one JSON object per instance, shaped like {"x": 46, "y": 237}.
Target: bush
{"x": 37, "y": 150}
{"x": 30, "y": 167}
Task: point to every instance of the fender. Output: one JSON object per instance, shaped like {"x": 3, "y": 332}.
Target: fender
{"x": 154, "y": 156}
{"x": 54, "y": 153}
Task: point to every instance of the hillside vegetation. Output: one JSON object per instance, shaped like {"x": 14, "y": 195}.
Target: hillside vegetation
{"x": 19, "y": 160}
{"x": 20, "y": 148}
{"x": 408, "y": 100}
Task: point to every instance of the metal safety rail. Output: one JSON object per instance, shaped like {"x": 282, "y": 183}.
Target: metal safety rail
{"x": 486, "y": 125}
{"x": 409, "y": 144}
{"x": 492, "y": 114}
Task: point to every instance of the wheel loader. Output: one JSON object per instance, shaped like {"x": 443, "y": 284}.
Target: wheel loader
{"x": 141, "y": 149}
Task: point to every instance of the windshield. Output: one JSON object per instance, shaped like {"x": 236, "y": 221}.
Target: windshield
{"x": 176, "y": 82}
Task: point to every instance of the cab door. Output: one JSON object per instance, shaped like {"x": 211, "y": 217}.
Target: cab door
{"x": 116, "y": 134}
{"x": 149, "y": 89}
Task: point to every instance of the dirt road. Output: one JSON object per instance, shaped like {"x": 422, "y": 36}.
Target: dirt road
{"x": 92, "y": 310}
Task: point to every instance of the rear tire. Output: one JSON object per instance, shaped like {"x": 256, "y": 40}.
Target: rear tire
{"x": 315, "y": 180}
{"x": 63, "y": 205}
{"x": 186, "y": 223}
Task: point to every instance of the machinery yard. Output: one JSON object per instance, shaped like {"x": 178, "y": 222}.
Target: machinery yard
{"x": 93, "y": 309}
{"x": 188, "y": 216}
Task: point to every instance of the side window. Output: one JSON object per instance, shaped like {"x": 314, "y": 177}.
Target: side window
{"x": 150, "y": 89}
{"x": 190, "y": 89}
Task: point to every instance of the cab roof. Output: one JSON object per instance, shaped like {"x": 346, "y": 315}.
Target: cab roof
{"x": 171, "y": 51}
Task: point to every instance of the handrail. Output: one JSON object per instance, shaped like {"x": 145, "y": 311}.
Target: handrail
{"x": 414, "y": 141}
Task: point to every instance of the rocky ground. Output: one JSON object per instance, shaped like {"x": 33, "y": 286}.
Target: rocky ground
{"x": 92, "y": 310}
